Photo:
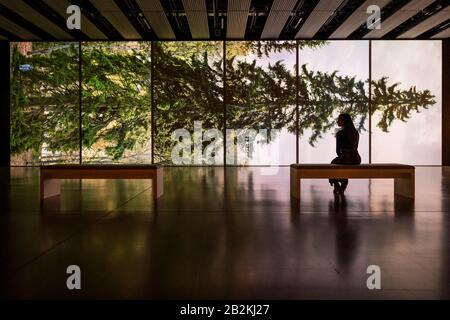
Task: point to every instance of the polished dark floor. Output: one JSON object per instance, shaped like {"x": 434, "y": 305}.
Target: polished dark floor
{"x": 230, "y": 233}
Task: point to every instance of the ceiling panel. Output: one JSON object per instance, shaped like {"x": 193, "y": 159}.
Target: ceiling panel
{"x": 87, "y": 26}
{"x": 155, "y": 15}
{"x": 443, "y": 34}
{"x": 237, "y": 15}
{"x": 116, "y": 17}
{"x": 36, "y": 18}
{"x": 237, "y": 19}
{"x": 403, "y": 14}
{"x": 320, "y": 14}
{"x": 428, "y": 24}
{"x": 197, "y": 18}
{"x": 279, "y": 14}
{"x": 17, "y": 30}
{"x": 356, "y": 19}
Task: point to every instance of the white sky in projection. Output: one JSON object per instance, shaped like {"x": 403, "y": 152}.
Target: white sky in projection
{"x": 348, "y": 58}
{"x": 411, "y": 63}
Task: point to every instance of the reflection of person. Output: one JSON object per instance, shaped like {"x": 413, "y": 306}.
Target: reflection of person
{"x": 346, "y": 148}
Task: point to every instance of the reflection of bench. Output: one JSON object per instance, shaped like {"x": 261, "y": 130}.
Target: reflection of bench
{"x": 51, "y": 175}
{"x": 403, "y": 175}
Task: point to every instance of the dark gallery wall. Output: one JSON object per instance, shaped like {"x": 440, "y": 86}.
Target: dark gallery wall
{"x": 4, "y": 127}
{"x": 446, "y": 102}
{"x": 4, "y": 104}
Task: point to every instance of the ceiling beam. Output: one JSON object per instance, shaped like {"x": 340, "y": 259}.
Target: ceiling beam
{"x": 88, "y": 28}
{"x": 445, "y": 25}
{"x": 403, "y": 14}
{"x": 355, "y": 20}
{"x": 136, "y": 17}
{"x": 425, "y": 23}
{"x": 345, "y": 10}
{"x": 52, "y": 15}
{"x": 110, "y": 10}
{"x": 24, "y": 23}
{"x": 258, "y": 13}
{"x": 197, "y": 18}
{"x": 156, "y": 17}
{"x": 176, "y": 15}
{"x": 36, "y": 18}
{"x": 386, "y": 11}
{"x": 445, "y": 34}
{"x": 91, "y": 12}
{"x": 17, "y": 31}
{"x": 237, "y": 15}
{"x": 216, "y": 11}
{"x": 321, "y": 13}
{"x": 9, "y": 35}
{"x": 279, "y": 13}
{"x": 299, "y": 16}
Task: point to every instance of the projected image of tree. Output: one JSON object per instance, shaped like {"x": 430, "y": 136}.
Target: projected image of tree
{"x": 44, "y": 103}
{"x": 188, "y": 87}
{"x": 116, "y": 102}
{"x": 261, "y": 96}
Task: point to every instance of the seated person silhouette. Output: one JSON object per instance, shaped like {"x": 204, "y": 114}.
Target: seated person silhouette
{"x": 347, "y": 140}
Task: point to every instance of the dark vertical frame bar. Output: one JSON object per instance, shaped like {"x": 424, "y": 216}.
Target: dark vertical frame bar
{"x": 224, "y": 124}
{"x": 152, "y": 99}
{"x": 446, "y": 102}
{"x": 80, "y": 102}
{"x": 370, "y": 101}
{"x": 297, "y": 52}
{"x": 5, "y": 104}
{"x": 5, "y": 126}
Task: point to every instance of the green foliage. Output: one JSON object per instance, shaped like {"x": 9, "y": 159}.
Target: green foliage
{"x": 394, "y": 103}
{"x": 45, "y": 102}
{"x": 187, "y": 88}
{"x": 116, "y": 96}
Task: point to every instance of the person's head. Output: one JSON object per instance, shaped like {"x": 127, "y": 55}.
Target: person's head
{"x": 344, "y": 120}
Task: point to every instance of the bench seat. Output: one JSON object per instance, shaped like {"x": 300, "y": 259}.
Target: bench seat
{"x": 402, "y": 174}
{"x": 50, "y": 176}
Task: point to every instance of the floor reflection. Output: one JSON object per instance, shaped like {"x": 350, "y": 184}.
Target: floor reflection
{"x": 225, "y": 233}
{"x": 346, "y": 236}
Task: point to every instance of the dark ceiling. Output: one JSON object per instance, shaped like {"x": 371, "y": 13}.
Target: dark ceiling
{"x": 223, "y": 19}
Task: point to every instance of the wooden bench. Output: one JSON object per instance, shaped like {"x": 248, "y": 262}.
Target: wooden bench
{"x": 403, "y": 175}
{"x": 50, "y": 176}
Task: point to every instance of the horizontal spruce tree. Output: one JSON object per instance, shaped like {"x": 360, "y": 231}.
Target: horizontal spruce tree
{"x": 188, "y": 86}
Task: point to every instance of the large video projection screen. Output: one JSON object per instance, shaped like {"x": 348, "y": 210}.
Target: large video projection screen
{"x": 108, "y": 102}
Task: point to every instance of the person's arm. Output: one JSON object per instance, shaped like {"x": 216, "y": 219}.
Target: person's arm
{"x": 338, "y": 143}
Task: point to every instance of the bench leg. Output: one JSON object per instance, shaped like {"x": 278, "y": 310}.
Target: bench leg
{"x": 50, "y": 188}
{"x": 295, "y": 184}
{"x": 158, "y": 183}
{"x": 405, "y": 187}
